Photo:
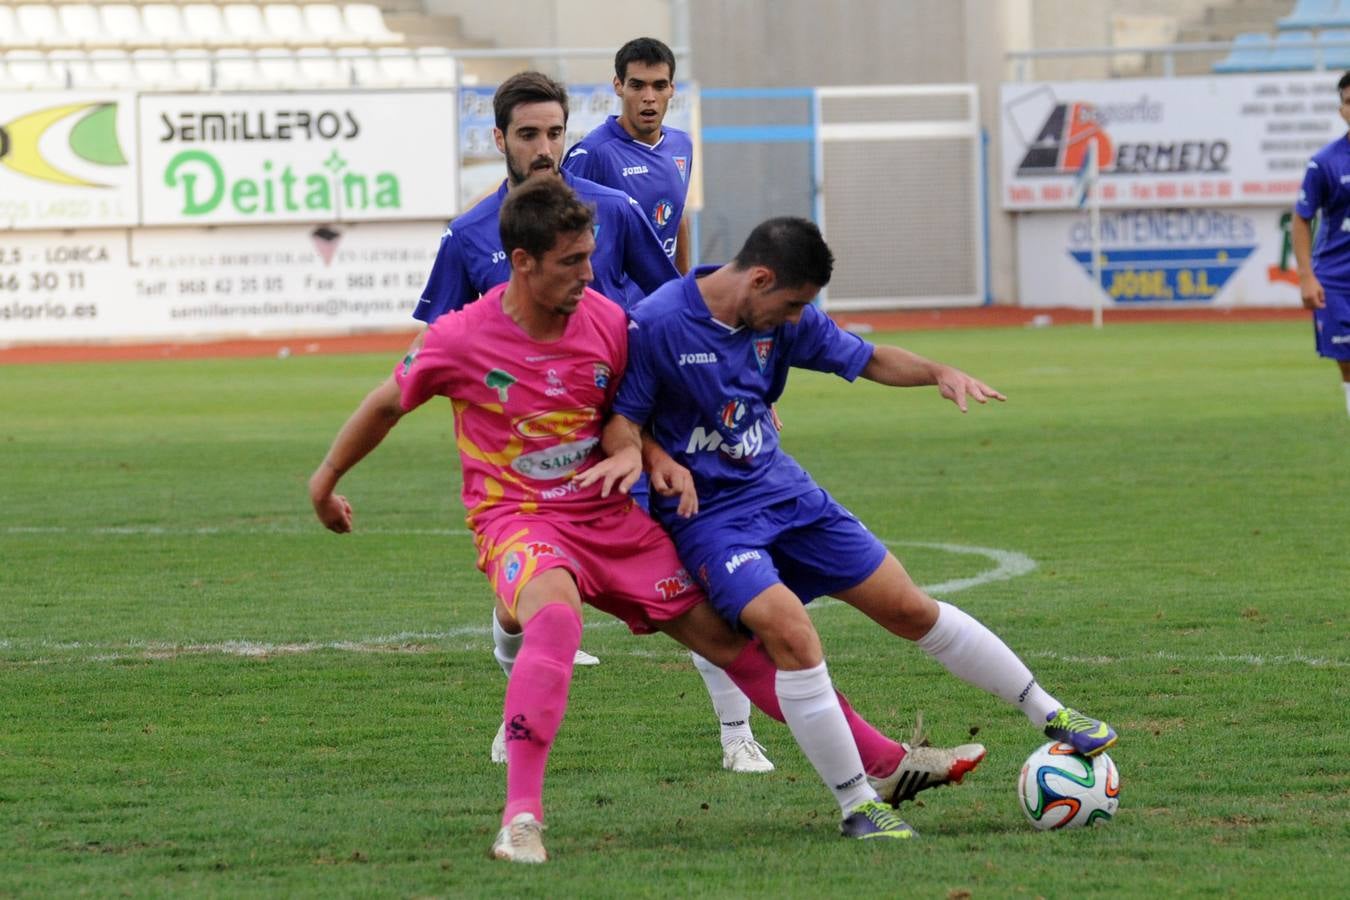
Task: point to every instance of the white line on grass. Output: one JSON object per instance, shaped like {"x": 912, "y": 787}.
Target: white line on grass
{"x": 1008, "y": 564}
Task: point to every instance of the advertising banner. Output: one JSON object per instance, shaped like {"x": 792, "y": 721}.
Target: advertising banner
{"x": 171, "y": 283}
{"x": 317, "y": 157}
{"x": 1212, "y": 256}
{"x": 1175, "y": 142}
{"x": 66, "y": 159}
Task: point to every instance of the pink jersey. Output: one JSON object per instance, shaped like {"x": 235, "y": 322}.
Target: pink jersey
{"x": 528, "y": 415}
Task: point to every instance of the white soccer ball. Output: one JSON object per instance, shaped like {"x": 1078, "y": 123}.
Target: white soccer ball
{"x": 1059, "y": 788}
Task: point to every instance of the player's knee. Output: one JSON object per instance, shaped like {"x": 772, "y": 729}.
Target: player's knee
{"x": 792, "y": 645}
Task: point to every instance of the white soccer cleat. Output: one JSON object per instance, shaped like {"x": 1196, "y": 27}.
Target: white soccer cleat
{"x": 582, "y": 658}
{"x": 499, "y": 745}
{"x": 927, "y": 767}
{"x": 521, "y": 840}
{"x": 745, "y": 755}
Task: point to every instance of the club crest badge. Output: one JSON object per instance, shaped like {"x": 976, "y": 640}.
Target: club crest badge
{"x": 763, "y": 349}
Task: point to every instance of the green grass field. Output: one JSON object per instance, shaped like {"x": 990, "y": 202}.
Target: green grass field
{"x": 204, "y": 693}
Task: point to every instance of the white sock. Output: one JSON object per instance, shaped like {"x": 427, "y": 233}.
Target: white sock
{"x": 731, "y": 706}
{"x": 976, "y": 655}
{"x": 505, "y": 645}
{"x": 1346, "y": 385}
{"x": 811, "y": 709}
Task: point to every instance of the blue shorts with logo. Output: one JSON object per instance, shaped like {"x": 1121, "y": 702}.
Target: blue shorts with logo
{"x": 1331, "y": 325}
{"x": 809, "y": 543}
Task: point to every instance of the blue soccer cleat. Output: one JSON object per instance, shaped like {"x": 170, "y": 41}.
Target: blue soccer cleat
{"x": 1085, "y": 735}
{"x": 874, "y": 819}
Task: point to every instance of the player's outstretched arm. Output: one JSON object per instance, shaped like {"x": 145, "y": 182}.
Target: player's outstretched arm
{"x": 622, "y": 442}
{"x": 898, "y": 367}
{"x": 359, "y": 435}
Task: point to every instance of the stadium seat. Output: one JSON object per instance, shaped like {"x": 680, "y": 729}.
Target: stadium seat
{"x": 81, "y": 23}
{"x": 364, "y": 70}
{"x": 32, "y": 69}
{"x": 246, "y": 25}
{"x": 1334, "y": 57}
{"x": 205, "y": 25}
{"x": 398, "y": 66}
{"x": 41, "y": 25}
{"x": 163, "y": 24}
{"x": 193, "y": 68}
{"x": 366, "y": 20}
{"x": 11, "y": 35}
{"x": 1294, "y": 52}
{"x": 237, "y": 70}
{"x": 154, "y": 70}
{"x": 326, "y": 25}
{"x": 1310, "y": 14}
{"x": 285, "y": 24}
{"x": 278, "y": 69}
{"x": 104, "y": 67}
{"x": 320, "y": 68}
{"x": 436, "y": 66}
{"x": 122, "y": 22}
{"x": 1250, "y": 53}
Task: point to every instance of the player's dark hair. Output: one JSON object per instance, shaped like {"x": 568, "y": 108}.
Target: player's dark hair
{"x": 793, "y": 249}
{"x": 526, "y": 87}
{"x": 536, "y": 212}
{"x": 1344, "y": 82}
{"x": 644, "y": 50}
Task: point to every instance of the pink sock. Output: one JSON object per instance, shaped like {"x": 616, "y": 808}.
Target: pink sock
{"x": 754, "y": 673}
{"x": 536, "y": 698}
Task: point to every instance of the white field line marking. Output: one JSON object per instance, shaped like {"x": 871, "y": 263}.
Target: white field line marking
{"x": 1007, "y": 565}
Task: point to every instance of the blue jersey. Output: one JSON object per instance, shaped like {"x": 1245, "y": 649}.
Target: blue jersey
{"x": 704, "y": 390}
{"x": 657, "y": 177}
{"x": 471, "y": 259}
{"x": 1326, "y": 187}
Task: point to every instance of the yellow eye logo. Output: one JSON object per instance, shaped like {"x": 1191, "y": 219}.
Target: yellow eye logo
{"x": 92, "y": 138}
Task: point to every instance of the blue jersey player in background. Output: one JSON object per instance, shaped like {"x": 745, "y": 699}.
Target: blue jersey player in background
{"x": 708, "y": 355}
{"x": 1324, "y": 272}
{"x": 531, "y": 116}
{"x": 531, "y": 121}
{"x": 636, "y": 152}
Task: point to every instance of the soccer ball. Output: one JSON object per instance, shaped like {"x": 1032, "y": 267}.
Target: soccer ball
{"x": 1059, "y": 788}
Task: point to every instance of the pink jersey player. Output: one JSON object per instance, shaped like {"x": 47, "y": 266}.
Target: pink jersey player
{"x": 528, "y": 420}
{"x": 531, "y": 369}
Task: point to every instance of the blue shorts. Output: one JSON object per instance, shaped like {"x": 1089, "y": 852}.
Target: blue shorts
{"x": 809, "y": 543}
{"x": 1331, "y": 325}
{"x": 641, "y": 493}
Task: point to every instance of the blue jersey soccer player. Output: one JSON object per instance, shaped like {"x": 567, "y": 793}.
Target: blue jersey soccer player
{"x": 1324, "y": 272}
{"x": 531, "y": 115}
{"x": 707, "y": 357}
{"x": 548, "y": 551}
{"x": 636, "y": 152}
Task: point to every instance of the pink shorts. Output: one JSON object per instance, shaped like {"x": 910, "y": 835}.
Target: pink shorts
{"x": 623, "y": 563}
